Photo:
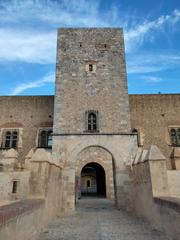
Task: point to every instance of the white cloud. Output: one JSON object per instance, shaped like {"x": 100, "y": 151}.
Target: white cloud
{"x": 135, "y": 37}
{"x": 32, "y": 47}
{"x": 50, "y": 78}
{"x": 38, "y": 45}
{"x": 151, "y": 79}
{"x": 24, "y": 34}
{"x": 148, "y": 63}
{"x": 64, "y": 12}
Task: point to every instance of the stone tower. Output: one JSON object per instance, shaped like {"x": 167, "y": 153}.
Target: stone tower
{"x": 91, "y": 76}
{"x": 91, "y": 111}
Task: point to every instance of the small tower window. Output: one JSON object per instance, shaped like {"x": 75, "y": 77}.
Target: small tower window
{"x": 91, "y": 121}
{"x": 15, "y": 186}
{"x": 90, "y": 67}
{"x": 88, "y": 183}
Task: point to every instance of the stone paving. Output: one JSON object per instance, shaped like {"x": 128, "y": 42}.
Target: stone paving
{"x": 98, "y": 219}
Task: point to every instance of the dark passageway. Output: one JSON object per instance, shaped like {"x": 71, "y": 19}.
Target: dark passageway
{"x": 93, "y": 181}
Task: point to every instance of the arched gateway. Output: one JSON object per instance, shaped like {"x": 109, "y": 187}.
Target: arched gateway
{"x": 93, "y": 180}
{"x": 94, "y": 173}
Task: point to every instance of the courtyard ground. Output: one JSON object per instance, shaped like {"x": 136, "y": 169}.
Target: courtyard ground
{"x": 98, "y": 219}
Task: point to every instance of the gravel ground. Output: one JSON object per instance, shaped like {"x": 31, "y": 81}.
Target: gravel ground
{"x": 98, "y": 219}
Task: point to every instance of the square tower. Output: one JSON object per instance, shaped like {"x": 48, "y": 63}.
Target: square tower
{"x": 91, "y": 86}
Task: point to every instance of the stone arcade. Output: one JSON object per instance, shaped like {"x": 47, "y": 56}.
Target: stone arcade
{"x": 92, "y": 138}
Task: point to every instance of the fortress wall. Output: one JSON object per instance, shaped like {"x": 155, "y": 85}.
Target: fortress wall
{"x": 174, "y": 182}
{"x": 151, "y": 197}
{"x": 6, "y": 186}
{"x": 25, "y": 218}
{"x": 150, "y": 115}
{"x": 28, "y": 113}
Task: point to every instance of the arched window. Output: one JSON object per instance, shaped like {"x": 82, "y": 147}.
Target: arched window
{"x": 45, "y": 139}
{"x": 92, "y": 121}
{"x": 11, "y": 139}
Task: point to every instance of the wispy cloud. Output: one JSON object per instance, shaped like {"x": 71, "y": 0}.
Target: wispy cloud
{"x": 62, "y": 12}
{"x": 151, "y": 79}
{"x": 27, "y": 46}
{"x": 149, "y": 63}
{"x": 28, "y": 34}
{"x": 50, "y": 78}
{"x": 135, "y": 36}
{"x": 35, "y": 42}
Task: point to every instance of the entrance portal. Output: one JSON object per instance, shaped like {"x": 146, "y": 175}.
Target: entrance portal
{"x": 93, "y": 181}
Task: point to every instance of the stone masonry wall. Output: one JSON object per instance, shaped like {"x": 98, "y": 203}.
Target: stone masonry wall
{"x": 27, "y": 113}
{"x": 122, "y": 148}
{"x": 151, "y": 115}
{"x": 104, "y": 89}
{"x": 102, "y": 157}
{"x": 150, "y": 194}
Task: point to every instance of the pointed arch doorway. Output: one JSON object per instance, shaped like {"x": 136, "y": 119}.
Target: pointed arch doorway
{"x": 93, "y": 180}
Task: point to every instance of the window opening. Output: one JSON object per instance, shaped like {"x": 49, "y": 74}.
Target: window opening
{"x": 14, "y": 187}
{"x": 92, "y": 122}
{"x": 173, "y": 136}
{"x": 88, "y": 183}
{"x": 49, "y": 139}
{"x": 11, "y": 139}
{"x": 90, "y": 67}
{"x": 45, "y": 139}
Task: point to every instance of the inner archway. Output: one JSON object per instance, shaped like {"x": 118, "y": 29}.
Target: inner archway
{"x": 93, "y": 180}
{"x": 96, "y": 163}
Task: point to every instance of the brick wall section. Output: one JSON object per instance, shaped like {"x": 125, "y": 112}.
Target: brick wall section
{"x": 14, "y": 210}
{"x": 150, "y": 114}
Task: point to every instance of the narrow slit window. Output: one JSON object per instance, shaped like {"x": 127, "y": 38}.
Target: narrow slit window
{"x": 15, "y": 186}
{"x": 88, "y": 183}
{"x": 90, "y": 67}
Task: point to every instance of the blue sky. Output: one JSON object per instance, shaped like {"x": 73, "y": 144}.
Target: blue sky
{"x": 28, "y": 41}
